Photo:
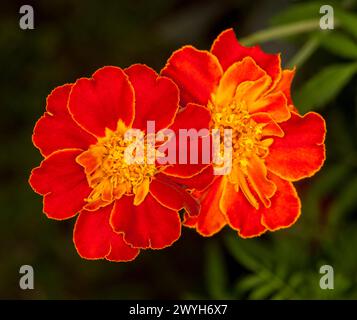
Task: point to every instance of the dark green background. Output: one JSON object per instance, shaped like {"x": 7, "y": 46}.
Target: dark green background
{"x": 72, "y": 39}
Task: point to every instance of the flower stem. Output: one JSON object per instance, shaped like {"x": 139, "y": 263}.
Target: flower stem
{"x": 281, "y": 31}
{"x": 305, "y": 52}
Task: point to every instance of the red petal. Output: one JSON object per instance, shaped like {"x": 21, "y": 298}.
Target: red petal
{"x": 210, "y": 220}
{"x": 198, "y": 182}
{"x": 56, "y": 129}
{"x": 192, "y": 117}
{"x": 301, "y": 152}
{"x": 101, "y": 101}
{"x": 285, "y": 206}
{"x": 228, "y": 50}
{"x": 196, "y": 73}
{"x": 156, "y": 98}
{"x": 149, "y": 225}
{"x": 95, "y": 239}
{"x": 242, "y": 216}
{"x": 62, "y": 182}
{"x": 173, "y": 195}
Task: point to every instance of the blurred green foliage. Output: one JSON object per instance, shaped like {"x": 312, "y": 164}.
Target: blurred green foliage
{"x": 72, "y": 39}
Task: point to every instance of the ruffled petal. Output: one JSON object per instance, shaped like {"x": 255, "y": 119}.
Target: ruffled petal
{"x": 173, "y": 195}
{"x": 196, "y": 72}
{"x": 149, "y": 225}
{"x": 193, "y": 117}
{"x": 210, "y": 220}
{"x": 301, "y": 152}
{"x": 241, "y": 215}
{"x": 63, "y": 184}
{"x": 56, "y": 129}
{"x": 198, "y": 182}
{"x": 273, "y": 103}
{"x": 156, "y": 98}
{"x": 94, "y": 238}
{"x": 103, "y": 100}
{"x": 228, "y": 51}
{"x": 284, "y": 84}
{"x": 237, "y": 73}
{"x": 285, "y": 206}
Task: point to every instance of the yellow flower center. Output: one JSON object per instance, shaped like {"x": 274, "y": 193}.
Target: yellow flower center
{"x": 247, "y": 142}
{"x": 110, "y": 174}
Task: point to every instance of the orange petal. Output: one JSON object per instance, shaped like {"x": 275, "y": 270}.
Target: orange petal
{"x": 196, "y": 73}
{"x": 284, "y": 84}
{"x": 245, "y": 70}
{"x": 95, "y": 239}
{"x": 275, "y": 104}
{"x": 149, "y": 225}
{"x": 63, "y": 184}
{"x": 301, "y": 152}
{"x": 269, "y": 126}
{"x": 257, "y": 175}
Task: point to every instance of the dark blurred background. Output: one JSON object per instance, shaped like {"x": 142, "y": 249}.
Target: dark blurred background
{"x": 72, "y": 39}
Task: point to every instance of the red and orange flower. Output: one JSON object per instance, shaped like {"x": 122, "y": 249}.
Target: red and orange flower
{"x": 122, "y": 207}
{"x": 273, "y": 145}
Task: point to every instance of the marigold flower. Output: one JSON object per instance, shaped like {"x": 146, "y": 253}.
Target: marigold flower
{"x": 246, "y": 91}
{"x": 122, "y": 207}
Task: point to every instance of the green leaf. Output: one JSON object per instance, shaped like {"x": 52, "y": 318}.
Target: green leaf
{"x": 324, "y": 86}
{"x": 345, "y": 201}
{"x": 347, "y": 21}
{"x": 253, "y": 255}
{"x": 248, "y": 283}
{"x": 298, "y": 12}
{"x": 339, "y": 44}
{"x": 216, "y": 278}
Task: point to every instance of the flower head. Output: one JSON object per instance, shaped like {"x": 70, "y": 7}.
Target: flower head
{"x": 247, "y": 92}
{"x": 123, "y": 207}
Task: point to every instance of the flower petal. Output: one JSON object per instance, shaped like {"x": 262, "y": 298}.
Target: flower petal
{"x": 63, "y": 184}
{"x": 199, "y": 182}
{"x": 275, "y": 104}
{"x": 210, "y": 220}
{"x": 237, "y": 73}
{"x": 285, "y": 206}
{"x": 94, "y": 238}
{"x": 301, "y": 152}
{"x": 193, "y": 117}
{"x": 56, "y": 129}
{"x": 241, "y": 215}
{"x": 257, "y": 176}
{"x": 196, "y": 72}
{"x": 156, "y": 98}
{"x": 284, "y": 84}
{"x": 149, "y": 225}
{"x": 173, "y": 195}
{"x": 228, "y": 51}
{"x": 99, "y": 102}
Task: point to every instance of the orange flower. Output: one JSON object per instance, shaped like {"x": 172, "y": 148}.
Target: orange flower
{"x": 246, "y": 91}
{"x": 123, "y": 207}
